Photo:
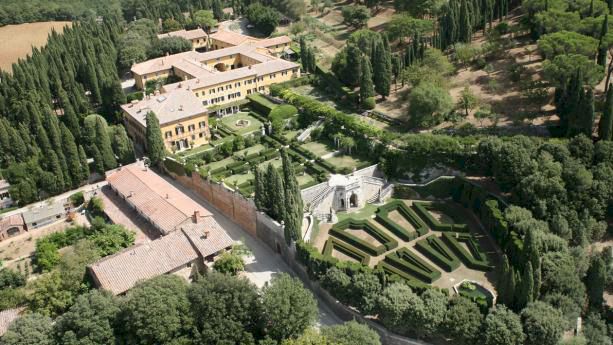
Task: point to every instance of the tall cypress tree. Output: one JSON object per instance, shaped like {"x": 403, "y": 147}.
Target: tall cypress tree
{"x": 303, "y": 53}
{"x": 602, "y": 47}
{"x": 595, "y": 282}
{"x": 103, "y": 143}
{"x": 381, "y": 72}
{"x": 465, "y": 27}
{"x": 261, "y": 192}
{"x": 84, "y": 164}
{"x": 605, "y": 127}
{"x": 72, "y": 156}
{"x": 293, "y": 201}
{"x": 527, "y": 287}
{"x": 366, "y": 86}
{"x": 354, "y": 60}
{"x": 587, "y": 113}
{"x": 277, "y": 194}
{"x": 155, "y": 143}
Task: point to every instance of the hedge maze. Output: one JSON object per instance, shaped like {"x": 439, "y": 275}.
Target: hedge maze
{"x": 382, "y": 216}
{"x": 347, "y": 249}
{"x": 423, "y": 208}
{"x": 339, "y": 230}
{"x": 456, "y": 245}
{"x": 434, "y": 249}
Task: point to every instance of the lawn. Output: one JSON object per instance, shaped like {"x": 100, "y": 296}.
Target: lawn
{"x": 250, "y": 150}
{"x": 364, "y": 213}
{"x": 219, "y": 164}
{"x": 231, "y": 123}
{"x": 347, "y": 161}
{"x": 289, "y": 135}
{"x": 304, "y": 179}
{"x": 196, "y": 150}
{"x": 319, "y": 149}
{"x": 238, "y": 179}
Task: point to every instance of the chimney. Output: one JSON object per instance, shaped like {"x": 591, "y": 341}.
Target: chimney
{"x": 167, "y": 196}
{"x": 131, "y": 194}
{"x": 196, "y": 216}
{"x": 181, "y": 107}
{"x": 206, "y": 234}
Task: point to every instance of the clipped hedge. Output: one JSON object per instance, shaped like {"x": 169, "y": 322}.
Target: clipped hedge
{"x": 260, "y": 103}
{"x": 434, "y": 249}
{"x": 473, "y": 258}
{"x": 329, "y": 166}
{"x": 347, "y": 249}
{"x": 241, "y": 169}
{"x": 387, "y": 243}
{"x": 306, "y": 153}
{"x": 410, "y": 263}
{"x": 422, "y": 208}
{"x": 218, "y": 171}
{"x": 231, "y": 166}
{"x": 413, "y": 282}
{"x": 382, "y": 216}
{"x": 272, "y": 142}
{"x": 272, "y": 155}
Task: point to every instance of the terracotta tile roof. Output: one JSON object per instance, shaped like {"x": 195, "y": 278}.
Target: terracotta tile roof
{"x": 169, "y": 107}
{"x": 120, "y": 272}
{"x": 269, "y": 42}
{"x": 233, "y": 38}
{"x": 12, "y": 220}
{"x": 7, "y": 317}
{"x": 159, "y": 201}
{"x": 163, "y": 63}
{"x": 187, "y": 34}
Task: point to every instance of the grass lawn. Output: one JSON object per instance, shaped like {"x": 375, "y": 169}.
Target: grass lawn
{"x": 304, "y": 179}
{"x": 289, "y": 135}
{"x": 346, "y": 161}
{"x": 277, "y": 163}
{"x": 230, "y": 122}
{"x": 364, "y": 213}
{"x": 250, "y": 150}
{"x": 196, "y": 150}
{"x": 219, "y": 164}
{"x": 238, "y": 179}
{"x": 318, "y": 148}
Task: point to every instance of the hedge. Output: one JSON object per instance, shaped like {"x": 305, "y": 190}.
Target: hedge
{"x": 258, "y": 117}
{"x": 318, "y": 264}
{"x": 346, "y": 249}
{"x": 261, "y": 103}
{"x": 174, "y": 166}
{"x": 422, "y": 210}
{"x": 217, "y": 171}
{"x": 326, "y": 165}
{"x": 434, "y": 249}
{"x": 282, "y": 112}
{"x": 296, "y": 156}
{"x": 257, "y": 160}
{"x": 387, "y": 243}
{"x": 252, "y": 156}
{"x": 235, "y": 165}
{"x": 412, "y": 281}
{"x": 308, "y": 154}
{"x": 271, "y": 142}
{"x": 410, "y": 263}
{"x": 382, "y": 216}
{"x": 272, "y": 155}
{"x": 474, "y": 259}
{"x": 267, "y": 151}
{"x": 241, "y": 169}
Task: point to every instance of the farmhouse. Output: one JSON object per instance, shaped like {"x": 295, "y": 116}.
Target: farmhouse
{"x": 5, "y": 197}
{"x": 197, "y": 37}
{"x": 189, "y": 235}
{"x": 12, "y": 225}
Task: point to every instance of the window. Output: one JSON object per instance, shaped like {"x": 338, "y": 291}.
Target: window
{"x": 179, "y": 130}
{"x": 211, "y": 91}
{"x": 201, "y": 135}
{"x": 202, "y": 124}
{"x": 205, "y": 102}
{"x": 238, "y": 93}
{"x": 191, "y": 128}
{"x": 249, "y": 91}
{"x": 196, "y": 94}
{"x": 193, "y": 137}
{"x": 168, "y": 134}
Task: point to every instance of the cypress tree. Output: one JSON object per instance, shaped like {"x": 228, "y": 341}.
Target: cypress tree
{"x": 303, "y": 53}
{"x": 19, "y": 148}
{"x": 587, "y": 113}
{"x": 122, "y": 145}
{"x": 465, "y": 27}
{"x": 293, "y": 202}
{"x": 572, "y": 101}
{"x": 276, "y": 193}
{"x": 602, "y": 48}
{"x": 381, "y": 72}
{"x": 84, "y": 164}
{"x": 53, "y": 166}
{"x": 70, "y": 117}
{"x": 605, "y": 127}
{"x": 261, "y": 192}
{"x": 353, "y": 70}
{"x": 103, "y": 143}
{"x": 155, "y": 143}
{"x": 98, "y": 160}
{"x": 527, "y": 283}
{"x": 366, "y": 86}
{"x": 595, "y": 282}
{"x": 72, "y": 156}
{"x": 217, "y": 9}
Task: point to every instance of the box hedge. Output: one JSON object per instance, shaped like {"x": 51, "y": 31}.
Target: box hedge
{"x": 473, "y": 258}
{"x": 408, "y": 262}
{"x": 347, "y": 249}
{"x": 339, "y": 231}
{"x": 434, "y": 249}
{"x": 382, "y": 216}
{"x": 421, "y": 208}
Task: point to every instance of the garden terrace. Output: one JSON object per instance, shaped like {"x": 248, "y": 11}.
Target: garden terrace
{"x": 412, "y": 265}
{"x": 240, "y": 124}
{"x": 418, "y": 228}
{"x": 435, "y": 249}
{"x": 342, "y": 230}
{"x": 428, "y": 210}
{"x": 474, "y": 257}
{"x": 347, "y": 251}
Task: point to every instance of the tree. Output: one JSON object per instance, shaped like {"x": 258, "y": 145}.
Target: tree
{"x": 276, "y": 195}
{"x": 562, "y": 68}
{"x": 382, "y": 69}
{"x": 426, "y": 101}
{"x": 502, "y": 327}
{"x": 218, "y": 9}
{"x": 289, "y": 308}
{"x": 293, "y": 214}
{"x": 30, "y": 329}
{"x": 365, "y": 289}
{"x": 542, "y": 324}
{"x": 169, "y": 45}
{"x": 205, "y": 19}
{"x": 155, "y": 143}
{"x": 90, "y": 320}
{"x": 366, "y": 86}
{"x": 226, "y": 309}
{"x": 355, "y": 16}
{"x": 393, "y": 304}
{"x": 265, "y": 19}
{"x": 229, "y": 263}
{"x": 605, "y": 126}
{"x": 111, "y": 239}
{"x": 595, "y": 282}
{"x": 567, "y": 42}
{"x": 351, "y": 333}
{"x": 122, "y": 145}
{"x": 171, "y": 25}
{"x": 527, "y": 288}
{"x": 595, "y": 330}
{"x": 103, "y": 143}
{"x": 403, "y": 26}
{"x": 468, "y": 100}
{"x": 310, "y": 337}
{"x": 156, "y": 311}
{"x": 463, "y": 320}
{"x": 434, "y": 310}
{"x": 261, "y": 198}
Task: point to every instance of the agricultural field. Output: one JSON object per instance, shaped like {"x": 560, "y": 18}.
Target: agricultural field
{"x": 426, "y": 243}
{"x": 17, "y": 40}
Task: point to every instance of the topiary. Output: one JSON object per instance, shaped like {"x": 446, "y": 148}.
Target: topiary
{"x": 369, "y": 103}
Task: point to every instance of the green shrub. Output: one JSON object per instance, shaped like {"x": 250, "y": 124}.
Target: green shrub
{"x": 382, "y": 217}
{"x": 241, "y": 169}
{"x": 260, "y": 103}
{"x": 387, "y": 243}
{"x": 434, "y": 249}
{"x": 77, "y": 199}
{"x": 282, "y": 112}
{"x": 369, "y": 103}
{"x": 413, "y": 282}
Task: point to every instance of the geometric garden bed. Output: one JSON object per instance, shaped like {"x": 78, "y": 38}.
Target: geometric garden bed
{"x": 339, "y": 230}
{"x": 333, "y": 244}
{"x": 474, "y": 257}
{"x": 382, "y": 216}
{"x": 423, "y": 210}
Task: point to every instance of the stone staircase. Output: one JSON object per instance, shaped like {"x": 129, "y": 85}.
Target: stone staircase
{"x": 319, "y": 198}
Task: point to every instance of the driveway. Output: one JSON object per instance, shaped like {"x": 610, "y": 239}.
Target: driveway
{"x": 264, "y": 262}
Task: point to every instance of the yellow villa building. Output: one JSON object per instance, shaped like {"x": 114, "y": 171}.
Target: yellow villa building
{"x": 212, "y": 82}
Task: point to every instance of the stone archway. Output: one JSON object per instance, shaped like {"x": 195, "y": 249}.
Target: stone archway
{"x": 14, "y": 231}
{"x": 342, "y": 203}
{"x": 221, "y": 67}
{"x": 353, "y": 200}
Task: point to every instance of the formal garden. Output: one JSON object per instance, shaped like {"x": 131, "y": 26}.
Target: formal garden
{"x": 252, "y": 138}
{"x": 421, "y": 242}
